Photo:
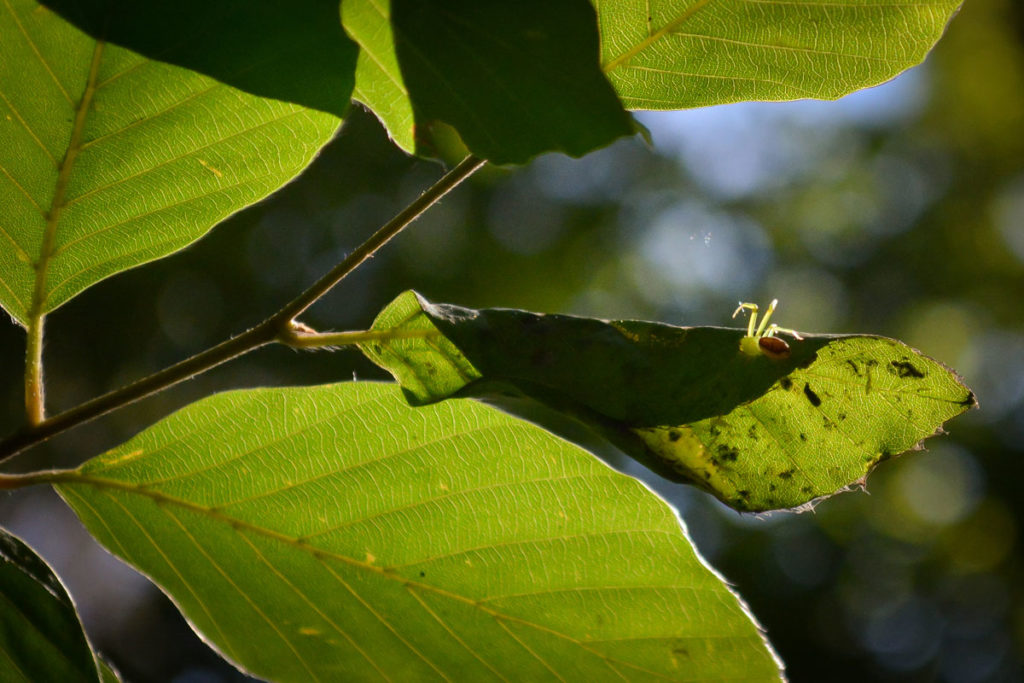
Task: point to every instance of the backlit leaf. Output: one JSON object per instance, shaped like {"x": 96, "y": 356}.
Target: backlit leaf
{"x": 335, "y": 533}
{"x": 758, "y": 432}
{"x": 676, "y": 54}
{"x": 109, "y": 160}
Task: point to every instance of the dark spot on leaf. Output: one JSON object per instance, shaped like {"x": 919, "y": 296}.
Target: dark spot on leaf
{"x": 752, "y": 432}
{"x": 970, "y": 400}
{"x": 680, "y": 650}
{"x": 806, "y": 489}
{"x": 905, "y": 368}
{"x": 771, "y": 487}
{"x": 841, "y": 416}
{"x": 856, "y": 368}
{"x": 728, "y": 453}
{"x": 829, "y": 424}
{"x": 786, "y": 383}
{"x": 674, "y": 435}
{"x": 786, "y": 474}
{"x": 743, "y": 493}
{"x": 707, "y": 475}
{"x": 378, "y": 348}
{"x": 803, "y": 437}
{"x": 715, "y": 431}
{"x": 422, "y": 574}
{"x": 811, "y": 396}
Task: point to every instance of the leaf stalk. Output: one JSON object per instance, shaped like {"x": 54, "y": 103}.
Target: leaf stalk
{"x": 35, "y": 410}
{"x": 308, "y": 339}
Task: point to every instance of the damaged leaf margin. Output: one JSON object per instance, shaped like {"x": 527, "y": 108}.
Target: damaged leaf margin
{"x": 758, "y": 432}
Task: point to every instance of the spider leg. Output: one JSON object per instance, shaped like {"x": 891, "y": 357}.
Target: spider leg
{"x": 767, "y": 315}
{"x": 753, "y": 316}
{"x": 774, "y": 329}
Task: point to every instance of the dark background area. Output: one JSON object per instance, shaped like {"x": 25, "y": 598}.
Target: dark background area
{"x": 897, "y": 211}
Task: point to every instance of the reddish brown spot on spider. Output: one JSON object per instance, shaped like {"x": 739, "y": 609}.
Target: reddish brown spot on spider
{"x": 773, "y": 347}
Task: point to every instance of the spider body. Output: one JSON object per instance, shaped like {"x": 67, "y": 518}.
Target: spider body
{"x": 773, "y": 347}
{"x": 761, "y": 339}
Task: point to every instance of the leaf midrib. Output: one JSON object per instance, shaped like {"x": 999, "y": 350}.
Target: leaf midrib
{"x": 72, "y": 477}
{"x": 654, "y": 37}
{"x": 58, "y": 200}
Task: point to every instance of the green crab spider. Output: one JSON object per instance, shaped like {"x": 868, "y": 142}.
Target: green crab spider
{"x": 761, "y": 339}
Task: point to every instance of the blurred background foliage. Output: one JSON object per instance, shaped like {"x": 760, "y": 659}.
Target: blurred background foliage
{"x": 897, "y": 211}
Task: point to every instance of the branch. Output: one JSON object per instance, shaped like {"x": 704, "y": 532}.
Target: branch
{"x": 466, "y": 168}
{"x": 277, "y": 328}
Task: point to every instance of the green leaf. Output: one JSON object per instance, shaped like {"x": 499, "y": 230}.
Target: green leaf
{"x": 515, "y": 79}
{"x": 109, "y": 160}
{"x": 108, "y": 674}
{"x": 701, "y": 405}
{"x": 675, "y": 54}
{"x": 335, "y": 533}
{"x": 379, "y": 81}
{"x": 290, "y": 51}
{"x": 41, "y": 637}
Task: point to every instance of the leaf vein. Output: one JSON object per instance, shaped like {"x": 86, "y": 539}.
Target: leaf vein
{"x": 454, "y": 494}
{"x": 783, "y": 48}
{"x": 321, "y": 554}
{"x": 36, "y": 51}
{"x": 184, "y": 155}
{"x": 28, "y": 129}
{"x": 302, "y": 596}
{"x": 50, "y": 645}
{"x": 384, "y": 622}
{"x": 231, "y": 582}
{"x": 25, "y": 192}
{"x": 452, "y": 633}
{"x": 529, "y": 649}
{"x": 127, "y": 555}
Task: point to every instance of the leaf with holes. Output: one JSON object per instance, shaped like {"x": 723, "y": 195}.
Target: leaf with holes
{"x": 109, "y": 160}
{"x": 675, "y": 54}
{"x": 41, "y": 637}
{"x": 335, "y": 533}
{"x": 515, "y": 79}
{"x": 761, "y": 430}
